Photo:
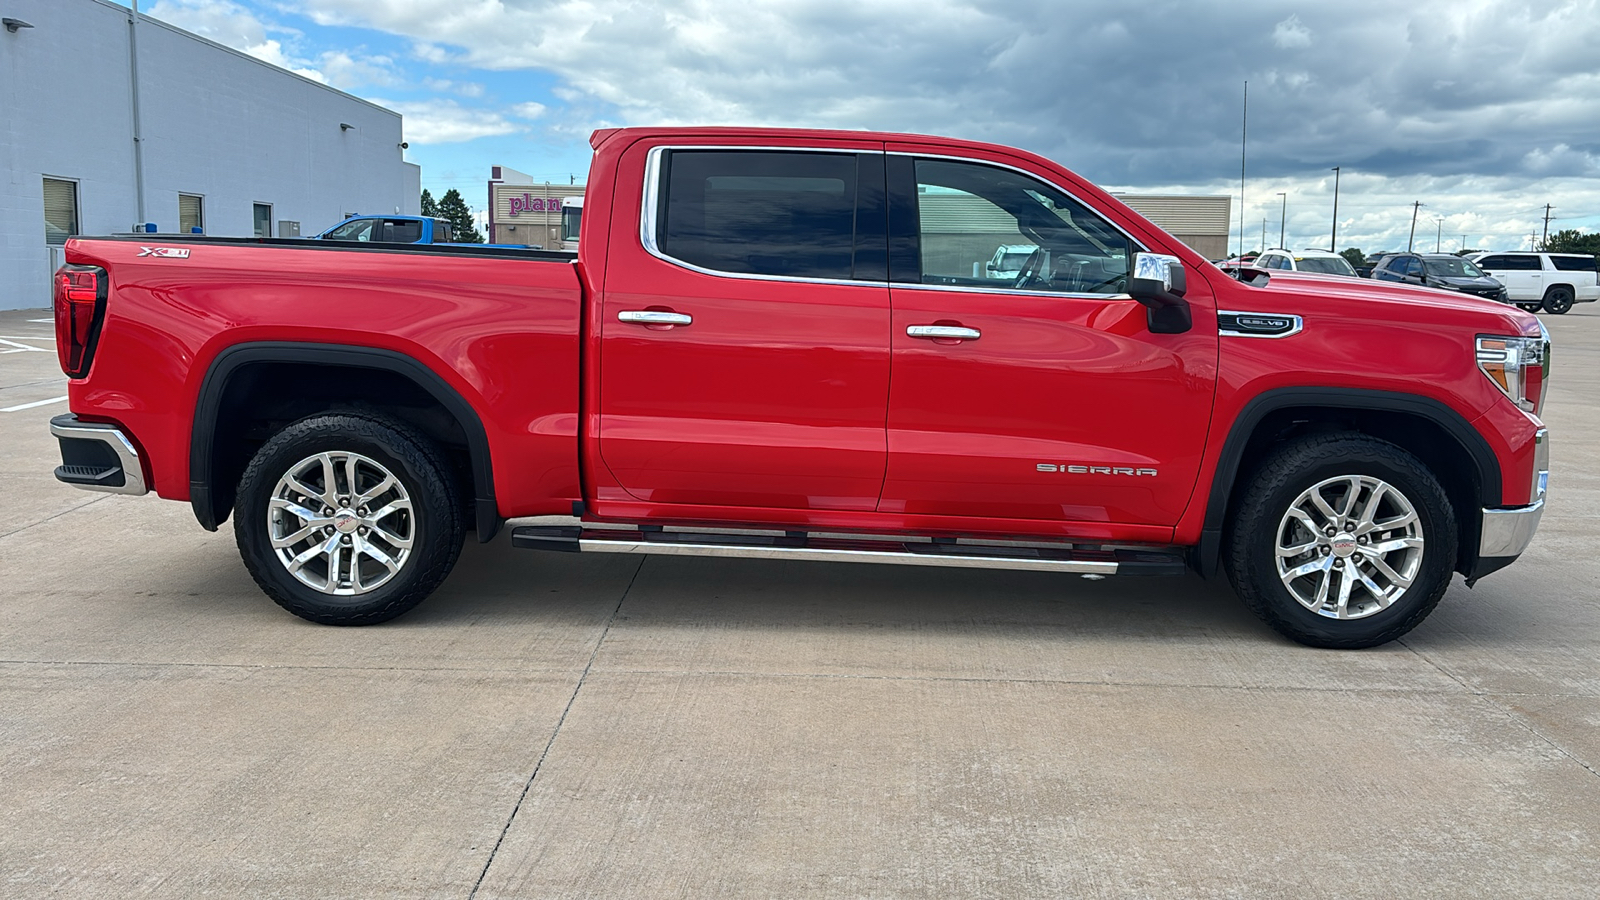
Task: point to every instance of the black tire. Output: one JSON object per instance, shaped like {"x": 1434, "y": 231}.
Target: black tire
{"x": 1291, "y": 470}
{"x": 1558, "y": 300}
{"x": 433, "y": 523}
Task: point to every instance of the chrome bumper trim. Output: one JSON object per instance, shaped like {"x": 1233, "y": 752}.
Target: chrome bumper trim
{"x": 1507, "y": 532}
{"x": 111, "y": 436}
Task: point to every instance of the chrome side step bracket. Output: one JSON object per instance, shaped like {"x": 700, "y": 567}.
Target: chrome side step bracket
{"x": 887, "y": 550}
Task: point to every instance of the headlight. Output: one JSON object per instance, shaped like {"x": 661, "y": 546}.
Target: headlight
{"x": 1518, "y": 366}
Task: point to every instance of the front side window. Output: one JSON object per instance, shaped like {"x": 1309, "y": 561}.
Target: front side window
{"x": 968, "y": 211}
{"x": 760, "y": 212}
{"x": 571, "y": 222}
{"x": 60, "y": 210}
{"x": 359, "y": 230}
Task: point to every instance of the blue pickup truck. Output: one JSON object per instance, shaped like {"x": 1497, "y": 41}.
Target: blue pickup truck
{"x": 401, "y": 230}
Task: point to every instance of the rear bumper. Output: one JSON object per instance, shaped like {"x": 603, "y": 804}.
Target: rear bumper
{"x": 97, "y": 457}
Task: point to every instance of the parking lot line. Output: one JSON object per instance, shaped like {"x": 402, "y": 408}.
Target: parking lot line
{"x": 23, "y": 406}
{"x": 22, "y": 348}
{"x": 51, "y": 321}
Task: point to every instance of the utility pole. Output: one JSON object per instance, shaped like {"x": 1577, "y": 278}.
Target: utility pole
{"x": 138, "y": 137}
{"x": 1244, "y": 134}
{"x": 1438, "y": 237}
{"x": 1415, "y": 205}
{"x": 1333, "y": 243}
{"x": 1546, "y": 241}
{"x": 1263, "y": 232}
{"x": 1283, "y": 220}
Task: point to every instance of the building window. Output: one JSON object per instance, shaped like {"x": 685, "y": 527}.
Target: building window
{"x": 191, "y": 214}
{"x": 263, "y": 217}
{"x": 60, "y": 210}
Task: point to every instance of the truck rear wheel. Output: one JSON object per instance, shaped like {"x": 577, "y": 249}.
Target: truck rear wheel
{"x": 1558, "y": 300}
{"x": 348, "y": 519}
{"x": 1342, "y": 541}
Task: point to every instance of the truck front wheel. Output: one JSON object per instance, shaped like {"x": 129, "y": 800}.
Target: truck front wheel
{"x": 348, "y": 519}
{"x": 1343, "y": 541}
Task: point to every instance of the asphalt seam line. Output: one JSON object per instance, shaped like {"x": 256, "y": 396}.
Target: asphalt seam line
{"x": 1490, "y": 699}
{"x": 528, "y": 785}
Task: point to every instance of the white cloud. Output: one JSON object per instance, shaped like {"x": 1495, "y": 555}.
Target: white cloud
{"x": 528, "y": 110}
{"x": 448, "y": 122}
{"x": 1290, "y": 33}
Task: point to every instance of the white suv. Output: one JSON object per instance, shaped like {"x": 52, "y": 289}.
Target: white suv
{"x": 1317, "y": 262}
{"x": 1553, "y": 281}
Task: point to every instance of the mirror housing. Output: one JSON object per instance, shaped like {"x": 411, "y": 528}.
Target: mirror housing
{"x": 1158, "y": 282}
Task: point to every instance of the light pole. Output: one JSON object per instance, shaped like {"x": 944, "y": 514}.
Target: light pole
{"x": 1438, "y": 237}
{"x": 1283, "y": 220}
{"x": 1333, "y": 244}
{"x": 1415, "y": 205}
{"x": 1263, "y": 233}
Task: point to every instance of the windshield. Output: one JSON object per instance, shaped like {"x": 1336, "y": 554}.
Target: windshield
{"x": 1013, "y": 261}
{"x": 1326, "y": 265}
{"x": 1452, "y": 268}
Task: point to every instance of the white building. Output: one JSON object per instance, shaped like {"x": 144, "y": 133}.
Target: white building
{"x": 212, "y": 139}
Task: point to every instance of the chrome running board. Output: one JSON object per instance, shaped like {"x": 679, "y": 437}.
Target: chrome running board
{"x": 887, "y": 550}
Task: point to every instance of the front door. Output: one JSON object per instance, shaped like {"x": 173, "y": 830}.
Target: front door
{"x": 744, "y": 352}
{"x": 1040, "y": 393}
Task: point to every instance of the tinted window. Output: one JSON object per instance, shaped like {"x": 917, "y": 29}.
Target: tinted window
{"x": 1574, "y": 263}
{"x": 968, "y": 211}
{"x": 1510, "y": 262}
{"x": 1325, "y": 265}
{"x": 760, "y": 212}
{"x": 403, "y": 231}
{"x": 1413, "y": 266}
{"x": 1446, "y": 267}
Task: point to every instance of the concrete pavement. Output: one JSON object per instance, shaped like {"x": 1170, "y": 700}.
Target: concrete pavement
{"x": 559, "y": 726}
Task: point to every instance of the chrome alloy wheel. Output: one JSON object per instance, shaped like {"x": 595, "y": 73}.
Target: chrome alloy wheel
{"x": 1349, "y": 547}
{"x": 341, "y": 523}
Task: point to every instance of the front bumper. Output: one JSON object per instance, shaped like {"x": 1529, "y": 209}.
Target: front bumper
{"x": 1505, "y": 533}
{"x": 97, "y": 457}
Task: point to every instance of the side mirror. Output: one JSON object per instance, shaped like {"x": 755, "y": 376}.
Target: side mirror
{"x": 1158, "y": 281}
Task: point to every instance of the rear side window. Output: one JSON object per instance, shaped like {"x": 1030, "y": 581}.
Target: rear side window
{"x": 759, "y": 212}
{"x": 1509, "y": 262}
{"x": 1575, "y": 263}
{"x": 403, "y": 231}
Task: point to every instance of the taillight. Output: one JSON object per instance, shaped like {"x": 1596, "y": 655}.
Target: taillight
{"x": 1518, "y": 366}
{"x": 80, "y": 301}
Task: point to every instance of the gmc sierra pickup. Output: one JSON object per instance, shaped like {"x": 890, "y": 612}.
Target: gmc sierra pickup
{"x": 786, "y": 344}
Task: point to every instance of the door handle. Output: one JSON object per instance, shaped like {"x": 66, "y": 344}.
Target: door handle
{"x": 654, "y": 317}
{"x": 943, "y": 332}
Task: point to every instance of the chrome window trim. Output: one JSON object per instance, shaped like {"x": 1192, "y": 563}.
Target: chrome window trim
{"x": 652, "y": 199}
{"x": 650, "y": 211}
{"x": 1299, "y": 324}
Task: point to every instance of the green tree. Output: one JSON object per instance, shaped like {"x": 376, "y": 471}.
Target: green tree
{"x": 454, "y": 210}
{"x": 1571, "y": 240}
{"x": 430, "y": 208}
{"x": 1355, "y": 256}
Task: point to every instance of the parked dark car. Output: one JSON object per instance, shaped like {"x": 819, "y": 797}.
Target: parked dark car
{"x": 1440, "y": 270}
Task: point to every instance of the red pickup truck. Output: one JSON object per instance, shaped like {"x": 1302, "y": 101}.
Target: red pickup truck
{"x": 788, "y": 344}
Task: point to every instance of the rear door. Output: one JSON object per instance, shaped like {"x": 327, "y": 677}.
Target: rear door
{"x": 1040, "y": 396}
{"x": 744, "y": 349}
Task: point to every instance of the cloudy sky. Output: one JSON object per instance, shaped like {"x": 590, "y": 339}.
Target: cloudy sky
{"x": 1484, "y": 111}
